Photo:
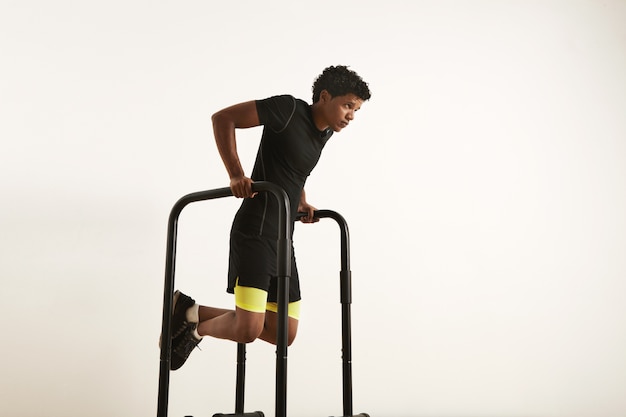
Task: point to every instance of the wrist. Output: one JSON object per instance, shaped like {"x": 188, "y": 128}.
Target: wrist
{"x": 236, "y": 173}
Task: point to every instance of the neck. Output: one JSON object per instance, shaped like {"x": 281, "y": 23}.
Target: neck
{"x": 318, "y": 118}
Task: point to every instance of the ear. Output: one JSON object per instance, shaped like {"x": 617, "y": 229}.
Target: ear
{"x": 325, "y": 96}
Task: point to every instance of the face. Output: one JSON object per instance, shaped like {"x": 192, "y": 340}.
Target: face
{"x": 339, "y": 111}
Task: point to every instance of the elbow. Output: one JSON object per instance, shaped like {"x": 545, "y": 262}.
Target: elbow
{"x": 222, "y": 121}
{"x": 216, "y": 118}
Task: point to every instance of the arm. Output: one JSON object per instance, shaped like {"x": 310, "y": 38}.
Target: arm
{"x": 239, "y": 116}
{"x": 304, "y": 207}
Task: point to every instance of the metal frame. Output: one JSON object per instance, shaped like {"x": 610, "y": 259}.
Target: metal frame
{"x": 284, "y": 270}
{"x": 345, "y": 283}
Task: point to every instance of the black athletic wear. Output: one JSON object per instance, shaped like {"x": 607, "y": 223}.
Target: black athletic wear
{"x": 290, "y": 147}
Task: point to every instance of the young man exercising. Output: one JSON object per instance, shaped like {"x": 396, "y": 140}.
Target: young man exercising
{"x": 294, "y": 135}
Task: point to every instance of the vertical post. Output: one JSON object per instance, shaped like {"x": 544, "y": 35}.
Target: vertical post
{"x": 284, "y": 269}
{"x": 346, "y": 319}
{"x": 240, "y": 388}
{"x": 166, "y": 329}
{"x": 345, "y": 282}
{"x": 168, "y": 292}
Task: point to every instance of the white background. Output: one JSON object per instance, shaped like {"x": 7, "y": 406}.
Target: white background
{"x": 484, "y": 185}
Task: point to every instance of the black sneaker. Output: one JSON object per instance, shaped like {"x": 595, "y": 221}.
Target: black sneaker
{"x": 180, "y": 305}
{"x": 186, "y": 341}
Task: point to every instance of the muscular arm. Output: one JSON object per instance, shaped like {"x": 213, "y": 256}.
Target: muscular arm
{"x": 239, "y": 116}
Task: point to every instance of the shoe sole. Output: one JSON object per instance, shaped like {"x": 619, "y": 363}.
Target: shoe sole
{"x": 180, "y": 308}
{"x": 176, "y": 333}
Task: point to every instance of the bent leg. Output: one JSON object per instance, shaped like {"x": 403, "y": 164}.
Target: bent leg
{"x": 244, "y": 324}
{"x": 270, "y": 329}
{"x": 208, "y": 313}
{"x": 240, "y": 325}
{"x": 252, "y": 318}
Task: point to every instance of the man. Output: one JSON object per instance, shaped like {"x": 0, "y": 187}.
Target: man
{"x": 294, "y": 135}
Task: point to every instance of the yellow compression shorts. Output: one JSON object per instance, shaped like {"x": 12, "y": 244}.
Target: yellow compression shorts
{"x": 255, "y": 300}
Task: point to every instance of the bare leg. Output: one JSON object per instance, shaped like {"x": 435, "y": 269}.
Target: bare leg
{"x": 242, "y": 326}
{"x": 208, "y": 313}
{"x": 270, "y": 329}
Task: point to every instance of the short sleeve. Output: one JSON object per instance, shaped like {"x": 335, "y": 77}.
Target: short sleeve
{"x": 276, "y": 112}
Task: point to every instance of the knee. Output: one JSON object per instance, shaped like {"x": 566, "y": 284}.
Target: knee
{"x": 291, "y": 336}
{"x": 293, "y": 331}
{"x": 248, "y": 332}
{"x": 248, "y": 328}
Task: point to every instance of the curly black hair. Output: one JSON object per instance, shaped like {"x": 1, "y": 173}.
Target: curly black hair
{"x": 338, "y": 81}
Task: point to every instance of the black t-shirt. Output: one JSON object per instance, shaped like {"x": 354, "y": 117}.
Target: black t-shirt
{"x": 290, "y": 147}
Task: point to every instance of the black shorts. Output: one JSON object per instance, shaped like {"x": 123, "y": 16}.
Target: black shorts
{"x": 252, "y": 263}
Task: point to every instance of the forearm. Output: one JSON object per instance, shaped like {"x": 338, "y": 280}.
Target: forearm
{"x": 225, "y": 121}
{"x": 304, "y": 207}
{"x": 302, "y": 201}
{"x": 225, "y": 139}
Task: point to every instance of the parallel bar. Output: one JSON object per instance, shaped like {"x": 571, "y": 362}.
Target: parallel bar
{"x": 345, "y": 282}
{"x": 168, "y": 293}
{"x": 283, "y": 259}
